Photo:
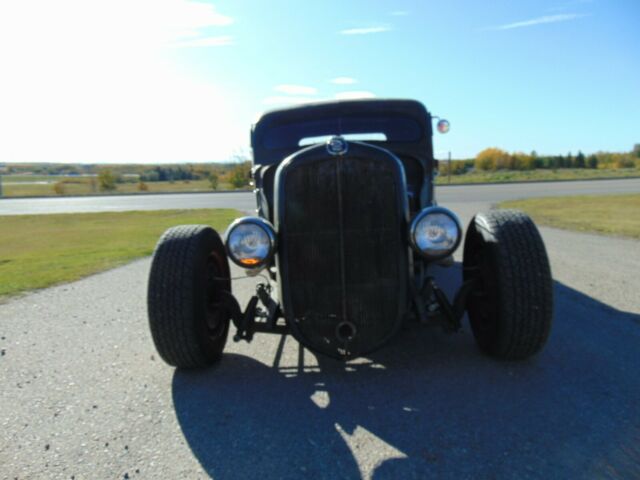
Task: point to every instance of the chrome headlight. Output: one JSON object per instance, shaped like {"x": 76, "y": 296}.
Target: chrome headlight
{"x": 251, "y": 242}
{"x": 435, "y": 233}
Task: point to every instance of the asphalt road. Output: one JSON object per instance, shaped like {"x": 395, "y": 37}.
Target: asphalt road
{"x": 246, "y": 201}
{"x": 84, "y": 394}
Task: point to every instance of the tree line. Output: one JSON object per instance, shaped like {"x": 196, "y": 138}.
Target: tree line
{"x": 493, "y": 159}
{"x": 238, "y": 176}
{"x": 236, "y": 173}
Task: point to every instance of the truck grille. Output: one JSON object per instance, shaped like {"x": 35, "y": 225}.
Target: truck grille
{"x": 343, "y": 259}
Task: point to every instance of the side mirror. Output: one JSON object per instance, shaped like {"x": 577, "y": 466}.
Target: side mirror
{"x": 443, "y": 125}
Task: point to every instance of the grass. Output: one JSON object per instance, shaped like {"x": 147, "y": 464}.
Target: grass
{"x": 82, "y": 186}
{"x": 537, "y": 175}
{"x": 608, "y": 214}
{"x": 38, "y": 251}
{"x": 34, "y": 178}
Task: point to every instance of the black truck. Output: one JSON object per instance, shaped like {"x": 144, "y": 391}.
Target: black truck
{"x": 348, "y": 228}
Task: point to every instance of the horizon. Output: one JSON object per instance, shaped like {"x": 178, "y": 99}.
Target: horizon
{"x": 229, "y": 161}
{"x": 181, "y": 82}
{"x": 249, "y": 159}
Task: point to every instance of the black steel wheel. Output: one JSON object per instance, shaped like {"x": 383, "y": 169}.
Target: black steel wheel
{"x": 189, "y": 272}
{"x": 511, "y": 306}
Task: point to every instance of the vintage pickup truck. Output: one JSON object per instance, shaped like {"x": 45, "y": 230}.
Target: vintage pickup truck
{"x": 348, "y": 228}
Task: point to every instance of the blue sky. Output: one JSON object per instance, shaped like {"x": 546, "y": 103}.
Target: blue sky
{"x": 174, "y": 80}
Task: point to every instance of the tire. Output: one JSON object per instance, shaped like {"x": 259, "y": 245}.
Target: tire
{"x": 188, "y": 325}
{"x": 511, "y": 307}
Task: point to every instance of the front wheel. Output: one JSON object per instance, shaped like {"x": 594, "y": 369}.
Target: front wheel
{"x": 189, "y": 272}
{"x": 511, "y": 305}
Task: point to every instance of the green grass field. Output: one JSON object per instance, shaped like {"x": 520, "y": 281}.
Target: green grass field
{"x": 537, "y": 175}
{"x": 82, "y": 186}
{"x": 32, "y": 178}
{"x": 608, "y": 214}
{"x": 37, "y": 251}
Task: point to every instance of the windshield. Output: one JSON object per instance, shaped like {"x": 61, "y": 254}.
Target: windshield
{"x": 391, "y": 128}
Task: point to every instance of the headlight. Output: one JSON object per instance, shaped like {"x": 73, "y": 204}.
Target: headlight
{"x": 435, "y": 233}
{"x": 251, "y": 242}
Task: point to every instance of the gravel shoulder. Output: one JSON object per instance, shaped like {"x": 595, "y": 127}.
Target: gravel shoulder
{"x": 601, "y": 267}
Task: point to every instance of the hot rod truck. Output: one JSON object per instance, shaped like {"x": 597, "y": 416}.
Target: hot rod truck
{"x": 348, "y": 228}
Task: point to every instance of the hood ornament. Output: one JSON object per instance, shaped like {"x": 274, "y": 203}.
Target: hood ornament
{"x": 337, "y": 145}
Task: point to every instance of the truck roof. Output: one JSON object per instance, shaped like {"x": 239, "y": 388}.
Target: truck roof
{"x": 404, "y": 125}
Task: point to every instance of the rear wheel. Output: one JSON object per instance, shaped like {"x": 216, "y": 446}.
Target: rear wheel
{"x": 511, "y": 305}
{"x": 189, "y": 272}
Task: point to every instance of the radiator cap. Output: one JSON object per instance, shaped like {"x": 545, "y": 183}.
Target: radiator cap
{"x": 337, "y": 145}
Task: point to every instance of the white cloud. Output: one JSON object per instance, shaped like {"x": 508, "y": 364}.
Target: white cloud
{"x": 351, "y": 95}
{"x": 296, "y": 89}
{"x": 185, "y": 20}
{"x": 541, "y": 20}
{"x": 364, "y": 30}
{"x": 220, "y": 41}
{"x": 344, "y": 81}
{"x": 88, "y": 81}
{"x": 400, "y": 13}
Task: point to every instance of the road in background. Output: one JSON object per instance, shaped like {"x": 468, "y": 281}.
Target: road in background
{"x": 246, "y": 201}
{"x": 120, "y": 203}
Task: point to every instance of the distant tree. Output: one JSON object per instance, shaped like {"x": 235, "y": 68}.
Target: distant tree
{"x": 557, "y": 161}
{"x": 536, "y": 161}
{"x": 528, "y": 162}
{"x": 181, "y": 174}
{"x": 592, "y": 161}
{"x": 580, "y": 160}
{"x": 568, "y": 163}
{"x": 636, "y": 150}
{"x": 241, "y": 175}
{"x": 59, "y": 188}
{"x": 162, "y": 174}
{"x": 625, "y": 161}
{"x": 458, "y": 167}
{"x": 106, "y": 180}
{"x": 214, "y": 180}
{"x": 605, "y": 160}
{"x": 521, "y": 161}
{"x": 541, "y": 162}
{"x": 150, "y": 176}
{"x": 491, "y": 159}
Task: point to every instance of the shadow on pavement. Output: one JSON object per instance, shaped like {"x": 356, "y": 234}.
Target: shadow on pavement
{"x": 429, "y": 405}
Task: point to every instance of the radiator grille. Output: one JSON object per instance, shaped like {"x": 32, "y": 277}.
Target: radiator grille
{"x": 343, "y": 251}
